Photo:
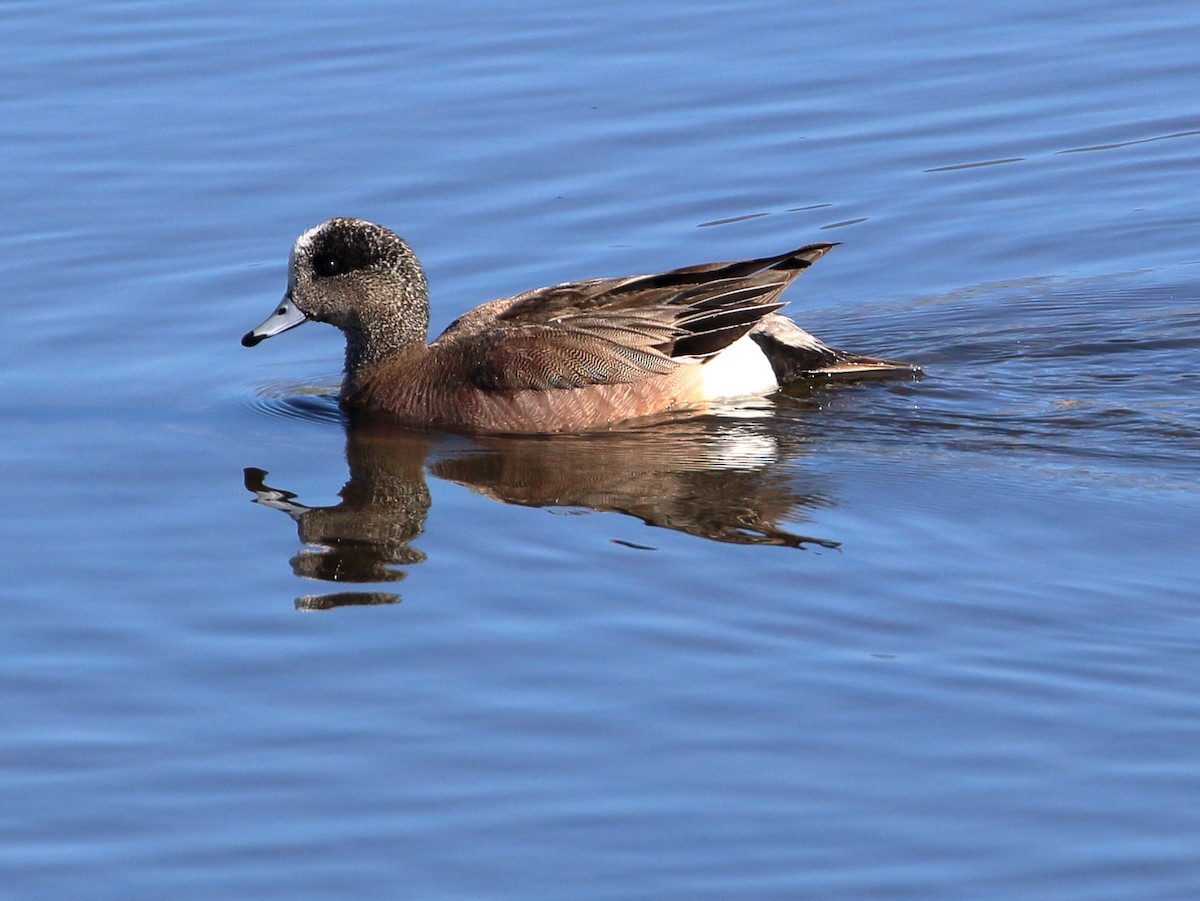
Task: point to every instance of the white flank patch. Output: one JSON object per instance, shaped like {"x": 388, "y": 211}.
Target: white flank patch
{"x": 740, "y": 370}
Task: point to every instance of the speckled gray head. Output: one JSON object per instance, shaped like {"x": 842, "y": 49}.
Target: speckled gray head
{"x": 339, "y": 269}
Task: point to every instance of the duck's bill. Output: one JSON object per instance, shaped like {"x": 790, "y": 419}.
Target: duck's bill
{"x": 287, "y": 315}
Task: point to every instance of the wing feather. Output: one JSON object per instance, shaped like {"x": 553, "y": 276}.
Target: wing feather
{"x": 614, "y": 331}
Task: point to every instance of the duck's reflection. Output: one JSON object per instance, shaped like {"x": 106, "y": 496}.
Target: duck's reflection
{"x": 713, "y": 477}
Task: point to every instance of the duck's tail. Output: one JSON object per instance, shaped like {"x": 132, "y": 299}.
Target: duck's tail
{"x": 794, "y": 354}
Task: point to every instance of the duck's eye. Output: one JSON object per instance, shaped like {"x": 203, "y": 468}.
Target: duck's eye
{"x": 326, "y": 265}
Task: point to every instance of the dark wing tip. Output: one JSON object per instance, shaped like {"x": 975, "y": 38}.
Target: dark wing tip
{"x": 802, "y": 257}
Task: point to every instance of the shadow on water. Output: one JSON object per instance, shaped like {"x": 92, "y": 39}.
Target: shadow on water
{"x": 714, "y": 477}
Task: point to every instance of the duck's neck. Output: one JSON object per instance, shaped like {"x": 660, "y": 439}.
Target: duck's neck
{"x": 365, "y": 351}
{"x": 398, "y": 330}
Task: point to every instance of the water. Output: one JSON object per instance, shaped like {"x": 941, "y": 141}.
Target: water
{"x": 902, "y": 639}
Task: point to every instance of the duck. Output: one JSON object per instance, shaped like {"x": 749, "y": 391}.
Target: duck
{"x": 571, "y": 357}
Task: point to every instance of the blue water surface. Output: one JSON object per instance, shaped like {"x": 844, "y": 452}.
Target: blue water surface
{"x": 905, "y": 639}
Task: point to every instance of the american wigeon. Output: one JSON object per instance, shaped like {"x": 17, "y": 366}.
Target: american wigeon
{"x": 575, "y": 356}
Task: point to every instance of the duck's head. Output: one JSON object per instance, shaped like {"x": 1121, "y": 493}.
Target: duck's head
{"x": 358, "y": 276}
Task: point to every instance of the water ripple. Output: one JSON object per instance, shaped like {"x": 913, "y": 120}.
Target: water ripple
{"x": 289, "y": 400}
{"x": 1095, "y": 370}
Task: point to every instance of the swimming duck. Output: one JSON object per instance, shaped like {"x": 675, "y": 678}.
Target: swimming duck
{"x": 571, "y": 357}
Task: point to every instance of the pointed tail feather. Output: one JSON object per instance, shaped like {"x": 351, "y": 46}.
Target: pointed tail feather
{"x": 795, "y": 354}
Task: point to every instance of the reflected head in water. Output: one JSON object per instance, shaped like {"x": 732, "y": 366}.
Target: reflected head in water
{"x": 568, "y": 358}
